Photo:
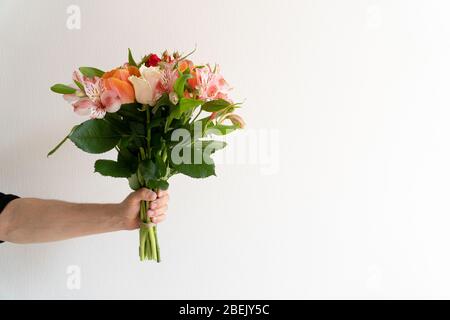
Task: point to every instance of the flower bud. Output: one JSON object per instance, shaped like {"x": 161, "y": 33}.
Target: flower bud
{"x": 236, "y": 120}
{"x": 152, "y": 60}
{"x": 176, "y": 55}
{"x": 166, "y": 56}
{"x": 173, "y": 97}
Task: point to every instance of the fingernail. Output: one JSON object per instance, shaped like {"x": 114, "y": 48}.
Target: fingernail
{"x": 153, "y": 205}
{"x": 150, "y": 213}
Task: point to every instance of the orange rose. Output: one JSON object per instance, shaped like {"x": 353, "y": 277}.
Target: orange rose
{"x": 117, "y": 80}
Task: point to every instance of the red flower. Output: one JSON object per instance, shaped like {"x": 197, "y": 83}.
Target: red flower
{"x": 152, "y": 60}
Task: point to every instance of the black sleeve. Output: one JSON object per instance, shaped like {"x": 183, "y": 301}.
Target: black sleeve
{"x": 4, "y": 200}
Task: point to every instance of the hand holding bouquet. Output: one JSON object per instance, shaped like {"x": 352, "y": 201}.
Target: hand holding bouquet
{"x": 159, "y": 115}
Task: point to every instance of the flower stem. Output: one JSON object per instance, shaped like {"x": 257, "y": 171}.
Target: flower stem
{"x": 148, "y": 241}
{"x": 158, "y": 257}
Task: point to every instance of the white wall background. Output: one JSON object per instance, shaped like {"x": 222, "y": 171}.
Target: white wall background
{"x": 358, "y": 94}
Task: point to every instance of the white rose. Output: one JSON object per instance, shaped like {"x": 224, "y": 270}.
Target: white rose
{"x": 146, "y": 86}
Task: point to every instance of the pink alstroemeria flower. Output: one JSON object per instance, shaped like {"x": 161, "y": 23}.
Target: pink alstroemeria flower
{"x": 95, "y": 100}
{"x": 169, "y": 75}
{"x": 210, "y": 84}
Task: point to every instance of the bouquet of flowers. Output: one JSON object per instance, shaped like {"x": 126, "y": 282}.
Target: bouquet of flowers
{"x": 159, "y": 114}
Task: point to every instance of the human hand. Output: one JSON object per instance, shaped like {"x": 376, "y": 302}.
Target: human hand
{"x": 129, "y": 208}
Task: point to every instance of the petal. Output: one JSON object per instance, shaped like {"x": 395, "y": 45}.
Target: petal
{"x": 111, "y": 101}
{"x": 122, "y": 74}
{"x": 108, "y": 74}
{"x": 83, "y": 107}
{"x": 71, "y": 97}
{"x": 236, "y": 120}
{"x": 123, "y": 89}
{"x": 144, "y": 93}
{"x": 134, "y": 71}
{"x": 98, "y": 113}
{"x": 77, "y": 76}
{"x": 151, "y": 74}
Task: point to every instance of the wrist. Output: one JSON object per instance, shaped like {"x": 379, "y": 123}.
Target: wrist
{"x": 121, "y": 220}
{"x": 115, "y": 217}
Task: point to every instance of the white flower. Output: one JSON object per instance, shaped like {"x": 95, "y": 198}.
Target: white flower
{"x": 146, "y": 86}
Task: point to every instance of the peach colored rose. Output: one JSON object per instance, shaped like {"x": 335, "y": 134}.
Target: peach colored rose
{"x": 117, "y": 80}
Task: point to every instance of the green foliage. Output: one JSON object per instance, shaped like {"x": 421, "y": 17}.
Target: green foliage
{"x": 91, "y": 72}
{"x": 158, "y": 184}
{"x": 112, "y": 168}
{"x": 152, "y": 176}
{"x": 63, "y": 89}
{"x": 95, "y": 136}
{"x": 133, "y": 182}
{"x": 203, "y": 170}
{"x": 215, "y": 105}
{"x": 148, "y": 170}
{"x": 131, "y": 61}
{"x": 187, "y": 104}
{"x": 131, "y": 111}
{"x": 179, "y": 84}
{"x": 174, "y": 114}
{"x": 199, "y": 164}
{"x": 221, "y": 129}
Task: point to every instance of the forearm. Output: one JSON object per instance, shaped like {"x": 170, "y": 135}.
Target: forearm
{"x": 34, "y": 220}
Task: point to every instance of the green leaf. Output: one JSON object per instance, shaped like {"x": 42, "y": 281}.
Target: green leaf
{"x": 117, "y": 123}
{"x": 221, "y": 129}
{"x": 161, "y": 165}
{"x": 157, "y": 184}
{"x": 215, "y": 105}
{"x": 148, "y": 170}
{"x": 62, "y": 142}
{"x": 125, "y": 157}
{"x": 152, "y": 173}
{"x": 131, "y": 111}
{"x": 112, "y": 168}
{"x": 179, "y": 84}
{"x": 63, "y": 89}
{"x": 95, "y": 136}
{"x": 137, "y": 128}
{"x": 187, "y": 104}
{"x": 131, "y": 61}
{"x": 163, "y": 101}
{"x": 198, "y": 171}
{"x": 174, "y": 114}
{"x": 91, "y": 72}
{"x": 200, "y": 150}
{"x": 133, "y": 181}
{"x": 212, "y": 146}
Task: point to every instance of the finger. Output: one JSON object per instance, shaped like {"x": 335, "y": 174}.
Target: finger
{"x": 159, "y": 219}
{"x": 145, "y": 194}
{"x": 157, "y": 212}
{"x": 162, "y": 193}
{"x": 158, "y": 203}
